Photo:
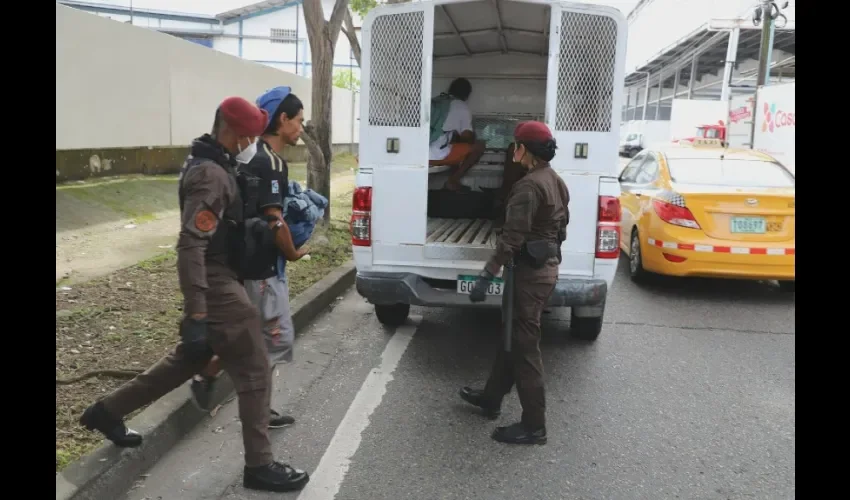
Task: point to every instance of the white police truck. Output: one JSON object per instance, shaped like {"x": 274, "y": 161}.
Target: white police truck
{"x": 558, "y": 62}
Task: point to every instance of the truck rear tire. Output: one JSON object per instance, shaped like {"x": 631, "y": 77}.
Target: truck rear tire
{"x": 394, "y": 315}
{"x": 585, "y": 328}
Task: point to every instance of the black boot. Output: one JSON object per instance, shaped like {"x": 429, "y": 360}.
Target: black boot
{"x": 475, "y": 397}
{"x": 278, "y": 421}
{"x": 96, "y": 418}
{"x": 518, "y": 433}
{"x": 275, "y": 477}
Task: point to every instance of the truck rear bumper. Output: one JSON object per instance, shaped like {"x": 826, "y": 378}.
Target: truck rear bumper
{"x": 408, "y": 288}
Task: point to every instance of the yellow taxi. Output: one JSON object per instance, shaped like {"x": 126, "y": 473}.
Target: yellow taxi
{"x": 710, "y": 211}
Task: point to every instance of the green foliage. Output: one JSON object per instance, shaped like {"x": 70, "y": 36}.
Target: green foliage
{"x": 345, "y": 79}
{"x": 361, "y": 7}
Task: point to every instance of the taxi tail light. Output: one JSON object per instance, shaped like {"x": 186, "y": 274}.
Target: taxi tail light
{"x": 361, "y": 217}
{"x": 608, "y": 228}
{"x": 675, "y": 213}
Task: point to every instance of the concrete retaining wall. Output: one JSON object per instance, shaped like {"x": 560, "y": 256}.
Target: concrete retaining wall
{"x": 78, "y": 164}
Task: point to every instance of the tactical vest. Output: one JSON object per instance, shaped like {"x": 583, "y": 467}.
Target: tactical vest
{"x": 243, "y": 237}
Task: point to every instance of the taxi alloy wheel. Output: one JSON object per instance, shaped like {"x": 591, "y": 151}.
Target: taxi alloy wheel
{"x": 636, "y": 270}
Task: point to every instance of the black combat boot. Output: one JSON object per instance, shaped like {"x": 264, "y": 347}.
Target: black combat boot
{"x": 96, "y": 418}
{"x": 475, "y": 397}
{"x": 519, "y": 433}
{"x": 275, "y": 477}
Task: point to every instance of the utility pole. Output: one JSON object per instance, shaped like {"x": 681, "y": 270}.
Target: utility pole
{"x": 766, "y": 28}
{"x": 766, "y": 14}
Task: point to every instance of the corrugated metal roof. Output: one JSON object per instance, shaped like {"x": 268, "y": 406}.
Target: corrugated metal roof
{"x": 252, "y": 8}
{"x": 135, "y": 10}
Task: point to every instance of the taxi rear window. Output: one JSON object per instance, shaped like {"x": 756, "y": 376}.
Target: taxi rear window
{"x": 716, "y": 172}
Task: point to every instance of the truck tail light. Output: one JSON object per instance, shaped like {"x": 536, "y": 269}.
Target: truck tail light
{"x": 675, "y": 212}
{"x": 608, "y": 228}
{"x": 361, "y": 217}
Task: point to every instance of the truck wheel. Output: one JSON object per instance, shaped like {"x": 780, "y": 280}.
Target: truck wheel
{"x": 585, "y": 328}
{"x": 633, "y": 153}
{"x": 788, "y": 286}
{"x": 636, "y": 270}
{"x": 394, "y": 315}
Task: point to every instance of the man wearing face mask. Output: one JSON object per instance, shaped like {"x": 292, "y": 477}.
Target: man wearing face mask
{"x": 536, "y": 218}
{"x": 218, "y": 316}
{"x": 269, "y": 293}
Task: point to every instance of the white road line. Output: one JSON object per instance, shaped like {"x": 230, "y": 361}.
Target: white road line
{"x": 325, "y": 481}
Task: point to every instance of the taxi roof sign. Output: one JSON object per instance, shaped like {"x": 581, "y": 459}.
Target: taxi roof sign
{"x": 704, "y": 142}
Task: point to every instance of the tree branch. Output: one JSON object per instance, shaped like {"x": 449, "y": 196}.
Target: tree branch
{"x": 335, "y": 22}
{"x": 352, "y": 36}
{"x": 309, "y": 138}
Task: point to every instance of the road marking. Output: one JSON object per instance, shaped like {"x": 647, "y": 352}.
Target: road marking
{"x": 325, "y": 481}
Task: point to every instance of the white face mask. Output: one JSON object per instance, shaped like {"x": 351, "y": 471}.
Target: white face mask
{"x": 247, "y": 154}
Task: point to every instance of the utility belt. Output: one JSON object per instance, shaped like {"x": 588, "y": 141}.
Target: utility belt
{"x": 537, "y": 253}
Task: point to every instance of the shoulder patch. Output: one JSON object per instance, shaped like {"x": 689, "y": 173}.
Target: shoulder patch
{"x": 205, "y": 221}
{"x": 275, "y": 187}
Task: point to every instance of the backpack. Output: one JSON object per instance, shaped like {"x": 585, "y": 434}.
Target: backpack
{"x": 439, "y": 112}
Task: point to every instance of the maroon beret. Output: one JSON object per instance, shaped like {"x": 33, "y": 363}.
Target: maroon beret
{"x": 243, "y": 116}
{"x": 532, "y": 132}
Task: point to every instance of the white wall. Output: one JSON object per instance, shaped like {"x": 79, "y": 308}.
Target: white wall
{"x": 123, "y": 86}
{"x": 284, "y": 56}
{"x": 660, "y": 24}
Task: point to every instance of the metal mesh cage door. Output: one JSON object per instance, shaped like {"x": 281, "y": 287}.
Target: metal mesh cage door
{"x": 396, "y": 68}
{"x": 587, "y": 52}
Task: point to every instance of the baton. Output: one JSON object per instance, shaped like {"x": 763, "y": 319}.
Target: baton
{"x": 508, "y": 306}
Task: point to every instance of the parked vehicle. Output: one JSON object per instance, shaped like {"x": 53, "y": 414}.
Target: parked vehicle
{"x": 643, "y": 134}
{"x": 716, "y": 132}
{"x": 709, "y": 211}
{"x": 694, "y": 118}
{"x": 414, "y": 243}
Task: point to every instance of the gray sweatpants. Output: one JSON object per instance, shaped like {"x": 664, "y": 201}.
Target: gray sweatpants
{"x": 271, "y": 296}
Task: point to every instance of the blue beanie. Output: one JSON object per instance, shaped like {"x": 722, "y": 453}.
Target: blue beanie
{"x": 270, "y": 100}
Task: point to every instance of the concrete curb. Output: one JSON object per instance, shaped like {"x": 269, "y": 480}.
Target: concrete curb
{"x": 109, "y": 471}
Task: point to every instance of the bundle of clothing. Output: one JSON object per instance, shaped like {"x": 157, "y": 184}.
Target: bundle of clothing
{"x": 302, "y": 209}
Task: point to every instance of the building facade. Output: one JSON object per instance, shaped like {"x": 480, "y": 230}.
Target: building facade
{"x": 272, "y": 32}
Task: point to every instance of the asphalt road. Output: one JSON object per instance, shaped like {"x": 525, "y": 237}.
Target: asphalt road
{"x": 688, "y": 393}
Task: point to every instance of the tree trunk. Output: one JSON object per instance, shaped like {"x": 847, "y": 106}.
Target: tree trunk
{"x": 321, "y": 116}
{"x": 322, "y": 36}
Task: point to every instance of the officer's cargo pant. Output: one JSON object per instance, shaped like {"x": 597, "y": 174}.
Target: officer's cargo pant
{"x": 271, "y": 297}
{"x": 523, "y": 366}
{"x": 237, "y": 338}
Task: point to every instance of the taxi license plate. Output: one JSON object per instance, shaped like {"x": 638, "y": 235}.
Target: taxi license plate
{"x": 465, "y": 284}
{"x": 749, "y": 225}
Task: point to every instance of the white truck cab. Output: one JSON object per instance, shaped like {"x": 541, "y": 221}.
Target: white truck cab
{"x": 557, "y": 62}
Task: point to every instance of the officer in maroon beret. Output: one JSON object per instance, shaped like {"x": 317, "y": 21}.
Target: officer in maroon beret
{"x": 218, "y": 316}
{"x": 536, "y": 218}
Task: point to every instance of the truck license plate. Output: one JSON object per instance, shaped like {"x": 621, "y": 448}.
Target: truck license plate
{"x": 465, "y": 284}
{"x": 751, "y": 225}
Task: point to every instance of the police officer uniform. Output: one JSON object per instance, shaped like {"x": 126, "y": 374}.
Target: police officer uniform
{"x": 211, "y": 208}
{"x": 536, "y": 217}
